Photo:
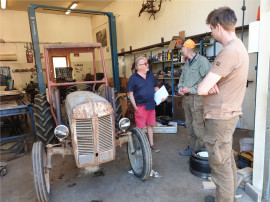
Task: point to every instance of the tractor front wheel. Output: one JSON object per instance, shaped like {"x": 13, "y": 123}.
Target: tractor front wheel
{"x": 141, "y": 158}
{"x": 40, "y": 172}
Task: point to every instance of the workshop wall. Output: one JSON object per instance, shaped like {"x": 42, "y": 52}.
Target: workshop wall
{"x": 100, "y": 25}
{"x": 247, "y": 121}
{"x": 175, "y": 16}
{"x": 52, "y": 28}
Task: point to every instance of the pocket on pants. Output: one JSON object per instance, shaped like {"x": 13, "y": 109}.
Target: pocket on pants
{"x": 138, "y": 112}
{"x": 218, "y": 151}
{"x": 198, "y": 116}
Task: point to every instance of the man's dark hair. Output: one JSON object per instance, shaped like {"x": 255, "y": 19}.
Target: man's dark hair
{"x": 224, "y": 16}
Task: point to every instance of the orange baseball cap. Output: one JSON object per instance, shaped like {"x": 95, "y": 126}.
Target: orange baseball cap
{"x": 189, "y": 43}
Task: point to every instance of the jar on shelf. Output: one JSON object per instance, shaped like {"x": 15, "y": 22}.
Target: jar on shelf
{"x": 159, "y": 56}
{"x": 169, "y": 55}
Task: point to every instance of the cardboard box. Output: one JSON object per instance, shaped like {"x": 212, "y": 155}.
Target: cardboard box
{"x": 174, "y": 40}
{"x": 178, "y": 111}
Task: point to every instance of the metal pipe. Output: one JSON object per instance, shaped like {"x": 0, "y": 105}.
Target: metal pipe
{"x": 35, "y": 40}
{"x": 73, "y": 83}
{"x": 104, "y": 67}
{"x": 58, "y": 106}
{"x": 215, "y": 48}
{"x": 94, "y": 68}
{"x": 113, "y": 102}
{"x": 243, "y": 20}
{"x": 172, "y": 84}
{"x": 130, "y": 142}
{"x": 51, "y": 150}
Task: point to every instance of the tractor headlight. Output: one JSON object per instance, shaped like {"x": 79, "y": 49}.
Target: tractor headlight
{"x": 61, "y": 132}
{"x": 124, "y": 124}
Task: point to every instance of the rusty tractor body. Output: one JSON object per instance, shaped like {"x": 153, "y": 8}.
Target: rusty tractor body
{"x": 92, "y": 119}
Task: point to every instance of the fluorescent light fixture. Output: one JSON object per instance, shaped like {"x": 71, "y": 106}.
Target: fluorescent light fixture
{"x": 73, "y": 5}
{"x": 3, "y": 4}
{"x": 68, "y": 12}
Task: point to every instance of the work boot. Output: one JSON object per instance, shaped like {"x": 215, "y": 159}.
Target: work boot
{"x": 209, "y": 198}
{"x": 186, "y": 152}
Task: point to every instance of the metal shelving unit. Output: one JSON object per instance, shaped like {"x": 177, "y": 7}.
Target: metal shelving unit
{"x": 172, "y": 64}
{"x": 203, "y": 43}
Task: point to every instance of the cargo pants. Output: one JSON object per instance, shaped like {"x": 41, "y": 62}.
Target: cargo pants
{"x": 193, "y": 108}
{"x": 218, "y": 143}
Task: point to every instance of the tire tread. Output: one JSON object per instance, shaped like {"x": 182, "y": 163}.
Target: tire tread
{"x": 147, "y": 154}
{"x": 43, "y": 119}
{"x": 38, "y": 172}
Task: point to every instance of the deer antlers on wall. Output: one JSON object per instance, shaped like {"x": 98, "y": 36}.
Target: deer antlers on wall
{"x": 149, "y": 7}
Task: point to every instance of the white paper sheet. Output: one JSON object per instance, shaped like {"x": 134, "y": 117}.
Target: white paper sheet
{"x": 160, "y": 94}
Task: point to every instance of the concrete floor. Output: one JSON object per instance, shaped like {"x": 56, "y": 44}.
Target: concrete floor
{"x": 69, "y": 183}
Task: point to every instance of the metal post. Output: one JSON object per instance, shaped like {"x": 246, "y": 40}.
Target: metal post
{"x": 32, "y": 120}
{"x": 201, "y": 45}
{"x": 114, "y": 55}
{"x": 215, "y": 48}
{"x": 58, "y": 106}
{"x": 261, "y": 167}
{"x": 243, "y": 20}
{"x": 172, "y": 86}
{"x": 35, "y": 41}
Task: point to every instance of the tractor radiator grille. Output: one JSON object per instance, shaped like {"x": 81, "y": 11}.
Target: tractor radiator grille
{"x": 84, "y": 132}
{"x": 105, "y": 130}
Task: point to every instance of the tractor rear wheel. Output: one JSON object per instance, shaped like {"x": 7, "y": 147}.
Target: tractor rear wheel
{"x": 44, "y": 121}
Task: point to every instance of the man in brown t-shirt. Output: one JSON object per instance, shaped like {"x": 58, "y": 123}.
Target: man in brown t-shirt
{"x": 224, "y": 89}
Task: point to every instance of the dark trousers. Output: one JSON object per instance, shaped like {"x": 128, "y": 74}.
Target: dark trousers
{"x": 193, "y": 108}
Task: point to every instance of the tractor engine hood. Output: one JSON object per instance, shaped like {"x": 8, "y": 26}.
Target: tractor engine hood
{"x": 92, "y": 128}
{"x": 87, "y": 105}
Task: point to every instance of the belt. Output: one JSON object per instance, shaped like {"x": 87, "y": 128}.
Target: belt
{"x": 189, "y": 94}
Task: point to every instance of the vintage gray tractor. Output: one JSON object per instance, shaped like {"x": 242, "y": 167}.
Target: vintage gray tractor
{"x": 91, "y": 117}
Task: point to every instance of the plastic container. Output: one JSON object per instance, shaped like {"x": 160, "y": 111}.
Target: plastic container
{"x": 246, "y": 144}
{"x": 159, "y": 128}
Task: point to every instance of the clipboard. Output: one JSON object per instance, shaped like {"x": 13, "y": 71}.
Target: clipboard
{"x": 160, "y": 94}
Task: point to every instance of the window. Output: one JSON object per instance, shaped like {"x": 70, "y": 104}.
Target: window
{"x": 58, "y": 62}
